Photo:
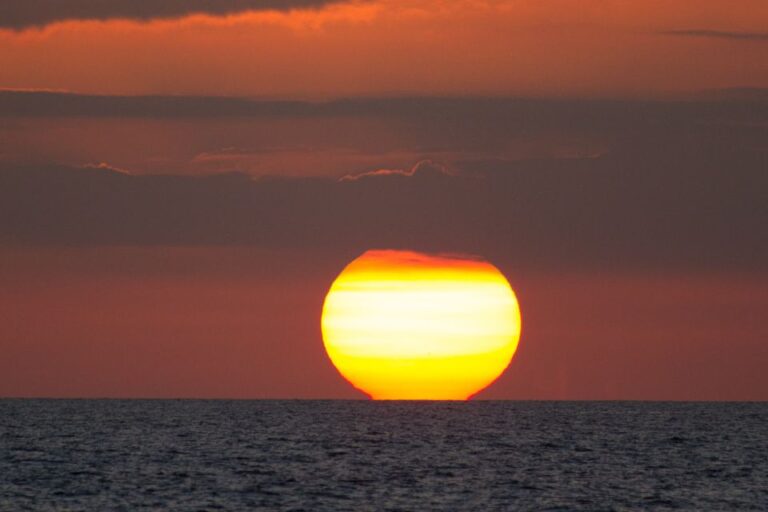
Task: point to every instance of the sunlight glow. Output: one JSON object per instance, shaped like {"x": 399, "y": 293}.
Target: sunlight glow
{"x": 407, "y": 325}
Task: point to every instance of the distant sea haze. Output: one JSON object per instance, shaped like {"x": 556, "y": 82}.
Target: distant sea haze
{"x": 356, "y": 455}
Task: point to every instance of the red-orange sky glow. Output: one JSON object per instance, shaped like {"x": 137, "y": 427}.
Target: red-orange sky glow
{"x": 180, "y": 186}
{"x": 384, "y": 47}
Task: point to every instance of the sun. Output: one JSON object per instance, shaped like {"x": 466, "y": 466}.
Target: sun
{"x": 404, "y": 325}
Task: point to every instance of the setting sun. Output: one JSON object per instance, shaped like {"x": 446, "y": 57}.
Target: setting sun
{"x": 407, "y": 325}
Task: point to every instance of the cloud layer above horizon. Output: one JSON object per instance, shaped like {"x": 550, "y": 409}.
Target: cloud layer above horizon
{"x": 554, "y": 183}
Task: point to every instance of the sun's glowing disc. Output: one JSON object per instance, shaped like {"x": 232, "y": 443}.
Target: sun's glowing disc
{"x": 406, "y": 325}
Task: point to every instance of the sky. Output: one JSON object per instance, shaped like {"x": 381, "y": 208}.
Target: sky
{"x": 181, "y": 182}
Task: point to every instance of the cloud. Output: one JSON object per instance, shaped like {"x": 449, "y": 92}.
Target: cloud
{"x": 22, "y": 14}
{"x": 425, "y": 169}
{"x": 428, "y": 125}
{"x": 296, "y": 159}
{"x": 525, "y": 113}
{"x": 161, "y": 134}
{"x": 675, "y": 183}
{"x": 58, "y": 104}
{"x": 105, "y": 166}
{"x": 665, "y": 208}
{"x": 718, "y": 34}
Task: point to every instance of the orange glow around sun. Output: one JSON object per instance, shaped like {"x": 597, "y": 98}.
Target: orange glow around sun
{"x": 404, "y": 325}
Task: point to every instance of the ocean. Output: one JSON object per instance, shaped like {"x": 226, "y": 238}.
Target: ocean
{"x": 358, "y": 455}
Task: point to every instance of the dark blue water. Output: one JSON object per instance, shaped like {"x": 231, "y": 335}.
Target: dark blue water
{"x": 340, "y": 455}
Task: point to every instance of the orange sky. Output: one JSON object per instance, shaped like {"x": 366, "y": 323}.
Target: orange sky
{"x": 392, "y": 47}
{"x": 582, "y": 147}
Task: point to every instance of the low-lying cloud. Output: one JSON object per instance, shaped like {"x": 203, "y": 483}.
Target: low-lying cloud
{"x": 671, "y": 208}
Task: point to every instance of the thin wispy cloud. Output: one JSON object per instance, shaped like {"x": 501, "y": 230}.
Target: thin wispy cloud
{"x": 718, "y": 34}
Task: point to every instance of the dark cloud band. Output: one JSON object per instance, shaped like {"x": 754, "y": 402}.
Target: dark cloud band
{"x": 718, "y": 34}
{"x": 735, "y": 103}
{"x": 680, "y": 183}
{"x": 21, "y": 14}
{"x": 662, "y": 209}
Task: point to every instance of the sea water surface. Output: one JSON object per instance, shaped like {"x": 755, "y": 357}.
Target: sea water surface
{"x": 358, "y": 455}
